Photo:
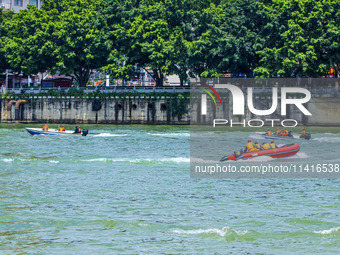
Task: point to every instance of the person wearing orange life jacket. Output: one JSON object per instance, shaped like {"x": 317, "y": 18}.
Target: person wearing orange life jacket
{"x": 273, "y": 145}
{"x": 303, "y": 132}
{"x": 266, "y": 146}
{"x": 59, "y": 129}
{"x": 258, "y": 146}
{"x": 268, "y": 132}
{"x": 77, "y": 130}
{"x": 250, "y": 147}
{"x": 278, "y": 131}
{"x": 63, "y": 129}
{"x": 44, "y": 127}
{"x": 285, "y": 132}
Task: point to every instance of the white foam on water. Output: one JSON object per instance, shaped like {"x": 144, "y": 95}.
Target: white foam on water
{"x": 7, "y": 160}
{"x": 54, "y": 161}
{"x": 176, "y": 160}
{"x": 256, "y": 136}
{"x": 200, "y": 160}
{"x": 259, "y": 159}
{"x": 300, "y": 155}
{"x": 221, "y": 232}
{"x": 109, "y": 135}
{"x": 327, "y": 139}
{"x": 170, "y": 134}
{"x": 327, "y": 231}
{"x": 96, "y": 160}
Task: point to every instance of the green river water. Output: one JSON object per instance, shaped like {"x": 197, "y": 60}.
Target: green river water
{"x": 127, "y": 190}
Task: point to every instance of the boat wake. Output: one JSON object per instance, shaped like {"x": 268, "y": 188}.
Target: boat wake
{"x": 170, "y": 134}
{"x": 327, "y": 139}
{"x": 109, "y": 135}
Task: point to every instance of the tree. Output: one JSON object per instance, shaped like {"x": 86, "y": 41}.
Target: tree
{"x": 151, "y": 34}
{"x": 65, "y": 36}
{"x": 80, "y": 39}
{"x": 308, "y": 38}
{"x": 216, "y": 50}
{"x": 4, "y": 19}
{"x": 28, "y": 43}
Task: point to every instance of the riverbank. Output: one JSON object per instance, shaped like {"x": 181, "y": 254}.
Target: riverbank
{"x": 72, "y": 110}
{"x": 151, "y": 109}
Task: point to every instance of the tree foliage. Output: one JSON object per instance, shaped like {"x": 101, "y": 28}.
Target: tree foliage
{"x": 183, "y": 37}
{"x": 308, "y": 40}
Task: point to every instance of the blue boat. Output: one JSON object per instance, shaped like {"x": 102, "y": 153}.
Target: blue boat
{"x": 39, "y": 131}
{"x": 290, "y": 136}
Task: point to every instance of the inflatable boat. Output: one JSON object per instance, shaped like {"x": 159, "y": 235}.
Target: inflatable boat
{"x": 280, "y": 152}
{"x": 289, "y": 136}
{"x": 39, "y": 131}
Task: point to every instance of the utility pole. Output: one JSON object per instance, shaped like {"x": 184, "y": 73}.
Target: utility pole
{"x": 6, "y": 87}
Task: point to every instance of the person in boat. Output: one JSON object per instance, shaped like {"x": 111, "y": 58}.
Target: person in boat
{"x": 266, "y": 146}
{"x": 268, "y": 132}
{"x": 250, "y": 147}
{"x": 273, "y": 145}
{"x": 45, "y": 127}
{"x": 303, "y": 133}
{"x": 258, "y": 146}
{"x": 77, "y": 130}
{"x": 63, "y": 129}
{"x": 59, "y": 129}
{"x": 278, "y": 131}
{"x": 284, "y": 132}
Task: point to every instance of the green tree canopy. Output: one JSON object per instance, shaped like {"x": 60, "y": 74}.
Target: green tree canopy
{"x": 70, "y": 38}
{"x": 309, "y": 38}
{"x": 5, "y": 18}
{"x": 29, "y": 45}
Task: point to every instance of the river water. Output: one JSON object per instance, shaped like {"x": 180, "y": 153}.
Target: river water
{"x": 127, "y": 190}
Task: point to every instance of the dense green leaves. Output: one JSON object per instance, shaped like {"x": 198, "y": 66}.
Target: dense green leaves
{"x": 182, "y": 37}
{"x": 309, "y": 38}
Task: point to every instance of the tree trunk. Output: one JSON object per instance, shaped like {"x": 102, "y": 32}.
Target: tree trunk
{"x": 183, "y": 77}
{"x": 158, "y": 77}
{"x": 82, "y": 75}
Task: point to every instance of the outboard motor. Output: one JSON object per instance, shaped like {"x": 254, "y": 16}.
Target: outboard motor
{"x": 84, "y": 132}
{"x": 290, "y": 133}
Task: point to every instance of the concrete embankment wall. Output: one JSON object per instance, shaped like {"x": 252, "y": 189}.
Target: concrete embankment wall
{"x": 101, "y": 111}
{"x": 325, "y": 111}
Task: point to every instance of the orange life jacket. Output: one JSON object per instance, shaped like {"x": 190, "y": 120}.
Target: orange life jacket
{"x": 285, "y": 132}
{"x": 303, "y": 133}
{"x": 63, "y": 129}
{"x": 251, "y": 147}
{"x": 269, "y": 132}
{"x": 273, "y": 145}
{"x": 266, "y": 146}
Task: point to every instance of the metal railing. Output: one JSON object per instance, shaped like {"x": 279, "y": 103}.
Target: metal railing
{"x": 315, "y": 91}
{"x": 115, "y": 89}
